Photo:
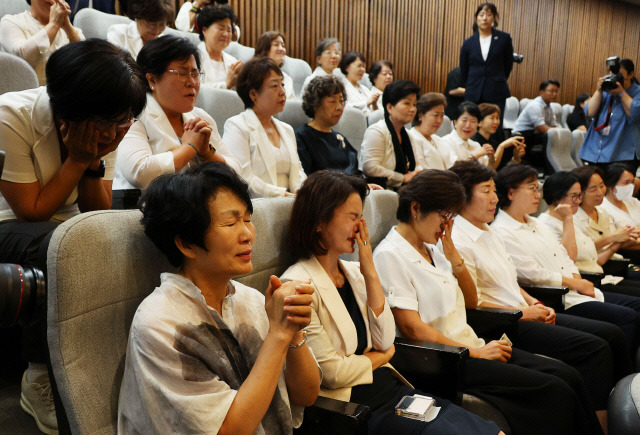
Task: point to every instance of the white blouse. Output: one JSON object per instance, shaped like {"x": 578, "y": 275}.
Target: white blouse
{"x": 410, "y": 282}
{"x": 620, "y": 217}
{"x": 462, "y": 149}
{"x": 25, "y": 37}
{"x": 215, "y": 72}
{"x": 126, "y": 36}
{"x": 437, "y": 155}
{"x": 603, "y": 227}
{"x": 357, "y": 96}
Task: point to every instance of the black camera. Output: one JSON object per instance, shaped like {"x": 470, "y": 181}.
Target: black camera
{"x": 23, "y": 293}
{"x": 611, "y": 81}
{"x": 518, "y": 58}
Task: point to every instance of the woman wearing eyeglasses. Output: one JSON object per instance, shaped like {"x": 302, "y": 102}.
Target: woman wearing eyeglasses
{"x": 328, "y": 56}
{"x": 171, "y": 134}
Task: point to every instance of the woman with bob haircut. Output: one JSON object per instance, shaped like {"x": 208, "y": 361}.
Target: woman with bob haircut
{"x": 150, "y": 20}
{"x": 541, "y": 259}
{"x": 428, "y": 290}
{"x": 264, "y": 146}
{"x": 215, "y": 24}
{"x": 619, "y": 202}
{"x": 541, "y": 330}
{"x": 352, "y": 331}
{"x": 387, "y": 149}
{"x": 380, "y": 74}
{"x": 206, "y": 353}
{"x": 328, "y": 57}
{"x": 505, "y": 152}
{"x": 577, "y": 120}
{"x": 59, "y": 144}
{"x": 171, "y": 134}
{"x": 429, "y": 118}
{"x": 273, "y": 45}
{"x": 353, "y": 66}
{"x": 459, "y": 141}
{"x": 38, "y": 32}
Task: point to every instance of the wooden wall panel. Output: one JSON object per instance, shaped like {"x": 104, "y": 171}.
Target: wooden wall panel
{"x": 564, "y": 39}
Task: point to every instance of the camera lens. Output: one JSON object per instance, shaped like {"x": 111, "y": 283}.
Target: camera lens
{"x": 22, "y": 293}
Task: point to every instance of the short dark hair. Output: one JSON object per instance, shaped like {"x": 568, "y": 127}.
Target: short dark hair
{"x": 546, "y": 83}
{"x": 321, "y": 193}
{"x": 433, "y": 190}
{"x": 487, "y": 109}
{"x": 510, "y": 177}
{"x": 211, "y": 13}
{"x": 472, "y": 173}
{"x": 427, "y": 102}
{"x": 613, "y": 172}
{"x": 318, "y": 88}
{"x": 627, "y": 64}
{"x": 470, "y": 108}
{"x": 263, "y": 46}
{"x": 324, "y": 44}
{"x": 584, "y": 174}
{"x": 252, "y": 76}
{"x": 348, "y": 58}
{"x": 176, "y": 205}
{"x": 492, "y": 8}
{"x": 151, "y": 10}
{"x": 557, "y": 185}
{"x": 579, "y": 100}
{"x": 157, "y": 54}
{"x": 376, "y": 68}
{"x": 94, "y": 78}
{"x": 397, "y": 90}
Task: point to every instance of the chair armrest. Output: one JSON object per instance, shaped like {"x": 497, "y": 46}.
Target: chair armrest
{"x": 548, "y": 295}
{"x": 334, "y": 416}
{"x": 490, "y": 323}
{"x": 617, "y": 267}
{"x": 431, "y": 367}
{"x": 593, "y": 277}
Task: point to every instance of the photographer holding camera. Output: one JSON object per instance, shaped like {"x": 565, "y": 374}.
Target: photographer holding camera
{"x": 611, "y": 136}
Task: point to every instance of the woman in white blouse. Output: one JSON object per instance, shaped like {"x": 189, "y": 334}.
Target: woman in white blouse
{"x": 272, "y": 45}
{"x": 150, "y": 20}
{"x": 380, "y": 74}
{"x": 619, "y": 201}
{"x": 171, "y": 134}
{"x": 215, "y": 24}
{"x": 353, "y": 66}
{"x": 387, "y": 149}
{"x": 429, "y": 118}
{"x": 328, "y": 57}
{"x": 264, "y": 146}
{"x": 38, "y": 32}
{"x": 352, "y": 330}
{"x": 428, "y": 290}
{"x": 459, "y": 141}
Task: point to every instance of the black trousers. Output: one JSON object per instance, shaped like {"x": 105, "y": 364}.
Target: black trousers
{"x": 590, "y": 355}
{"x": 531, "y": 390}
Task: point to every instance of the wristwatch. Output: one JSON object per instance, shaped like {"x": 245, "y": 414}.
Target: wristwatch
{"x": 95, "y": 173}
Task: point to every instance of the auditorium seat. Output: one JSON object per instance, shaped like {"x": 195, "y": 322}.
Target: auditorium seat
{"x": 624, "y": 406}
{"x": 17, "y": 74}
{"x": 511, "y": 108}
{"x": 375, "y": 116}
{"x": 446, "y": 127}
{"x": 299, "y": 70}
{"x": 94, "y": 23}
{"x": 523, "y": 104}
{"x": 12, "y": 7}
{"x": 557, "y": 110}
{"x": 220, "y": 104}
{"x": 566, "y": 111}
{"x": 352, "y": 125}
{"x": 559, "y": 149}
{"x": 293, "y": 114}
{"x": 577, "y": 137}
{"x": 240, "y": 52}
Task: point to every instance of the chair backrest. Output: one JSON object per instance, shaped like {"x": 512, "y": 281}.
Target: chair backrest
{"x": 299, "y": 70}
{"x": 221, "y": 104}
{"x": 352, "y": 125}
{"x": 523, "y": 104}
{"x": 293, "y": 114}
{"x": 375, "y": 116}
{"x": 17, "y": 74}
{"x": 559, "y": 149}
{"x": 577, "y": 137}
{"x": 566, "y": 111}
{"x": 446, "y": 127}
{"x": 240, "y": 52}
{"x": 511, "y": 108}
{"x": 12, "y": 7}
{"x": 94, "y": 24}
{"x": 193, "y": 37}
{"x": 557, "y": 110}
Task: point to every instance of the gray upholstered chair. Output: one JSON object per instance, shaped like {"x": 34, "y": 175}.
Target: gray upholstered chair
{"x": 221, "y": 104}
{"x": 446, "y": 127}
{"x": 557, "y": 110}
{"x": 240, "y": 52}
{"x": 293, "y": 114}
{"x": 577, "y": 137}
{"x": 299, "y": 70}
{"x": 375, "y": 116}
{"x": 566, "y": 111}
{"x": 511, "y": 108}
{"x": 95, "y": 24}
{"x": 17, "y": 74}
{"x": 523, "y": 104}
{"x": 352, "y": 125}
{"x": 559, "y": 149}
{"x": 12, "y": 7}
{"x": 624, "y": 406}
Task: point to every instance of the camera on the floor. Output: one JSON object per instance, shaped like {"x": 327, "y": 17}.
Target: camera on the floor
{"x": 23, "y": 293}
{"x": 611, "y": 81}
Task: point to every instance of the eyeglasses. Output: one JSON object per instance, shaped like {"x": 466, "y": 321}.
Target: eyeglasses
{"x": 121, "y": 124}
{"x": 533, "y": 189}
{"x": 153, "y": 25}
{"x": 332, "y": 53}
{"x": 184, "y": 76}
{"x": 575, "y": 196}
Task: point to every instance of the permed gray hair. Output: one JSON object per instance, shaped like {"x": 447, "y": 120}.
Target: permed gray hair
{"x": 318, "y": 88}
{"x": 324, "y": 44}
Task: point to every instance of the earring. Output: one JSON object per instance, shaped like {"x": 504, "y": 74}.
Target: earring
{"x": 415, "y": 217}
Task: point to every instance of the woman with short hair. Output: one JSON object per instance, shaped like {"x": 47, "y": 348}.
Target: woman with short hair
{"x": 429, "y": 118}
{"x": 353, "y": 66}
{"x": 171, "y": 134}
{"x": 505, "y": 152}
{"x": 619, "y": 202}
{"x": 460, "y": 142}
{"x": 273, "y": 45}
{"x": 215, "y": 25}
{"x": 150, "y": 21}
{"x": 264, "y": 146}
{"x": 380, "y": 74}
{"x": 206, "y": 353}
{"x": 328, "y": 57}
